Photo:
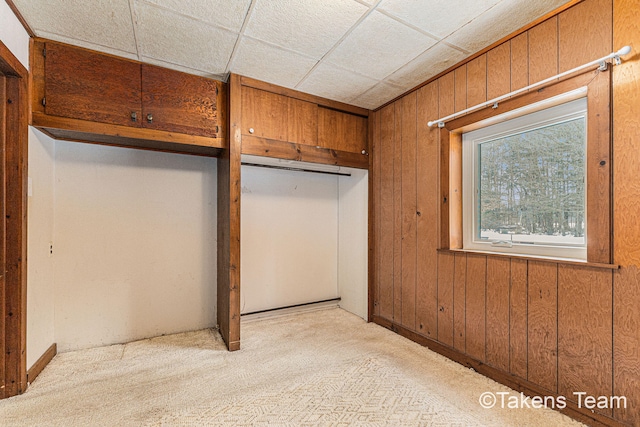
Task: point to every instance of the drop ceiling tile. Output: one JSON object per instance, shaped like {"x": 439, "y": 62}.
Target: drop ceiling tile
{"x": 262, "y": 61}
{"x": 433, "y": 61}
{"x": 101, "y": 22}
{"x": 500, "y": 21}
{"x": 379, "y": 46}
{"x": 153, "y": 61}
{"x": 378, "y": 95}
{"x": 179, "y": 40}
{"x": 223, "y": 13}
{"x": 335, "y": 83}
{"x": 438, "y": 17}
{"x": 86, "y": 45}
{"x": 310, "y": 27}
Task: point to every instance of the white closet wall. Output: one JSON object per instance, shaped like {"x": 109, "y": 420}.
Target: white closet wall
{"x": 134, "y": 244}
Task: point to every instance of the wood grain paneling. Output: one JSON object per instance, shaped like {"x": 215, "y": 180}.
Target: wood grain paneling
{"x": 476, "y": 306}
{"x": 302, "y": 122}
{"x": 265, "y": 113}
{"x": 386, "y": 234}
{"x": 409, "y": 139}
{"x": 599, "y": 169}
{"x": 585, "y": 346}
{"x": 427, "y": 207}
{"x": 459, "y": 302}
{"x": 626, "y": 128}
{"x": 498, "y": 278}
{"x": 626, "y": 350}
{"x": 542, "y": 324}
{"x": 300, "y": 152}
{"x": 180, "y": 102}
{"x": 338, "y": 130}
{"x": 460, "y": 75}
{"x": 446, "y": 265}
{"x": 3, "y": 230}
{"x": 584, "y": 33}
{"x": 229, "y": 222}
{"x": 446, "y": 95}
{"x": 15, "y": 199}
{"x": 518, "y": 319}
{"x": 477, "y": 81}
{"x": 520, "y": 61}
{"x": 397, "y": 215}
{"x": 626, "y": 145}
{"x": 375, "y": 225}
{"x": 543, "y": 50}
{"x": 499, "y": 71}
{"x": 108, "y": 90}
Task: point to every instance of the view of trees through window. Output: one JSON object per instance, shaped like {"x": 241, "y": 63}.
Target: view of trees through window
{"x": 532, "y": 186}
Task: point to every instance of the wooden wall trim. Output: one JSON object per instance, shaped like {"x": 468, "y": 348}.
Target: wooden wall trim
{"x": 42, "y": 363}
{"x": 10, "y": 65}
{"x": 528, "y": 388}
{"x": 229, "y": 222}
{"x": 327, "y": 103}
{"x": 14, "y": 175}
{"x": 533, "y": 258}
{"x": 305, "y": 153}
{"x": 486, "y": 49}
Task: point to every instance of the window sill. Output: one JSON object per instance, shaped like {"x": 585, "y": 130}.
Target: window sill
{"x": 534, "y": 258}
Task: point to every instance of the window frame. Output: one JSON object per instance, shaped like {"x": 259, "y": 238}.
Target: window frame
{"x": 598, "y": 163}
{"x": 557, "y": 110}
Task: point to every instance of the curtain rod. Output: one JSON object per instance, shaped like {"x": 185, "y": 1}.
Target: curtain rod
{"x": 602, "y": 62}
{"x": 287, "y": 168}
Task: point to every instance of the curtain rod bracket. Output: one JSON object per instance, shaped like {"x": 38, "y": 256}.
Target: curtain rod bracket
{"x": 603, "y": 66}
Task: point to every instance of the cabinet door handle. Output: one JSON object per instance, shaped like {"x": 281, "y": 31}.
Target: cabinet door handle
{"x": 134, "y": 116}
{"x": 150, "y": 118}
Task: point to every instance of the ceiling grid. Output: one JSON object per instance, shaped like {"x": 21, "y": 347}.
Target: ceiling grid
{"x": 364, "y": 52}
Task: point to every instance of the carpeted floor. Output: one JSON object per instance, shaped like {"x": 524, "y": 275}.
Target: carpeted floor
{"x": 323, "y": 368}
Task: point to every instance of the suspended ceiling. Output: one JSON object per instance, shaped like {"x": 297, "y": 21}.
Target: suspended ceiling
{"x": 363, "y": 52}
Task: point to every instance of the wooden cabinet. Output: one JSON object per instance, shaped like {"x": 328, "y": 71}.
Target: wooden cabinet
{"x": 80, "y": 84}
{"x": 302, "y": 122}
{"x": 177, "y": 102}
{"x": 342, "y": 131}
{"x": 271, "y": 114}
{"x": 282, "y": 118}
{"x": 264, "y": 114}
{"x": 83, "y": 95}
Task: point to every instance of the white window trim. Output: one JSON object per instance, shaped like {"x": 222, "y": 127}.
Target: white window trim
{"x": 564, "y": 110}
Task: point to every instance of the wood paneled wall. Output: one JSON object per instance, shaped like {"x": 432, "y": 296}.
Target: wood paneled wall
{"x": 550, "y": 327}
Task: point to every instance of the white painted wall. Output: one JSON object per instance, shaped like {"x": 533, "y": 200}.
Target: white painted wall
{"x": 304, "y": 237}
{"x": 353, "y": 241}
{"x": 40, "y": 268}
{"x": 134, "y": 244}
{"x": 13, "y": 34}
{"x": 289, "y": 238}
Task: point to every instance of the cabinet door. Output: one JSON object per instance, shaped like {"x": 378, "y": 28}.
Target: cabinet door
{"x": 341, "y": 131}
{"x": 302, "y": 122}
{"x": 178, "y": 102}
{"x": 264, "y": 114}
{"x": 81, "y": 84}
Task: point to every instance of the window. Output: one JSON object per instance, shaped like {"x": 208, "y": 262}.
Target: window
{"x": 524, "y": 183}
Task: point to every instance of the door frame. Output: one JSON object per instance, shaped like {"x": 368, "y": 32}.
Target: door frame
{"x": 14, "y": 123}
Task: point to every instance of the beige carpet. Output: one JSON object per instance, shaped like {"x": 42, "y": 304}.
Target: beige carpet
{"x": 323, "y": 368}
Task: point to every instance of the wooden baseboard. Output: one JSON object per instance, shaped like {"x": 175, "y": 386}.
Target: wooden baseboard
{"x": 42, "y": 362}
{"x": 528, "y": 388}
